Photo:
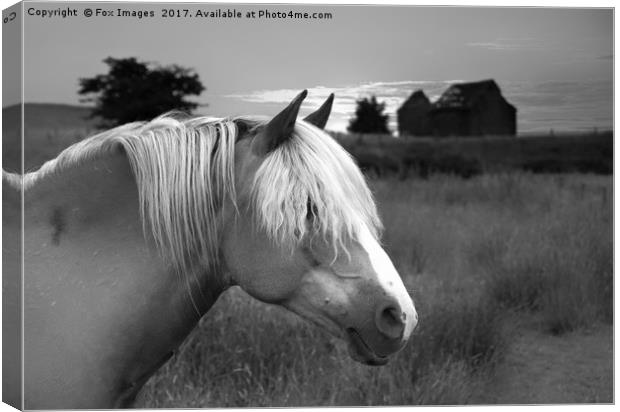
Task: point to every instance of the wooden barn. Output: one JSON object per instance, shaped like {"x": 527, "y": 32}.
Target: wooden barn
{"x": 413, "y": 115}
{"x": 464, "y": 109}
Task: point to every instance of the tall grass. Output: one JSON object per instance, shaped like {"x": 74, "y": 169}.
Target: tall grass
{"x": 468, "y": 250}
{"x": 384, "y": 155}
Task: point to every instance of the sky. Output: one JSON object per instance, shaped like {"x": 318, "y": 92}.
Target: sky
{"x": 554, "y": 64}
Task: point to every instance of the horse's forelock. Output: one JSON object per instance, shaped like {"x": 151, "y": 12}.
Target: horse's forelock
{"x": 312, "y": 168}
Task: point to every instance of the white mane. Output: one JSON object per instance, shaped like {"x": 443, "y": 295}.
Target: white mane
{"x": 184, "y": 170}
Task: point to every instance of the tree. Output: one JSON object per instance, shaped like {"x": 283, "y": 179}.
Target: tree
{"x": 369, "y": 117}
{"x": 133, "y": 90}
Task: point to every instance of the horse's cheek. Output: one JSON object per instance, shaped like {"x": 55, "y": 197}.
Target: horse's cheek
{"x": 265, "y": 273}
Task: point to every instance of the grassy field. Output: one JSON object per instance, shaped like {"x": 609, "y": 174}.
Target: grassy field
{"x": 48, "y": 129}
{"x": 475, "y": 253}
{"x": 382, "y": 155}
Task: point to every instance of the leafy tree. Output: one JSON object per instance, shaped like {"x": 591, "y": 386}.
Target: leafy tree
{"x": 134, "y": 90}
{"x": 369, "y": 117}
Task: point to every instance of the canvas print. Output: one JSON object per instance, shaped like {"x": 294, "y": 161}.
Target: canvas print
{"x": 210, "y": 205}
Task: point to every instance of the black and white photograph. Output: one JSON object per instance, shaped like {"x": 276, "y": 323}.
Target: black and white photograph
{"x": 242, "y": 205}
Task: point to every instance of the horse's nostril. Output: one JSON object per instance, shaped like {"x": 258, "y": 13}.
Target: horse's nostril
{"x": 390, "y": 321}
{"x": 391, "y": 315}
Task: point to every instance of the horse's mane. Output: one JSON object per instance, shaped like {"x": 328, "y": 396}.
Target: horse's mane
{"x": 184, "y": 170}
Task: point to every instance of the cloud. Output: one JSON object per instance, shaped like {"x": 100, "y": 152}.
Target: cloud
{"x": 564, "y": 54}
{"x": 511, "y": 44}
{"x": 561, "y": 105}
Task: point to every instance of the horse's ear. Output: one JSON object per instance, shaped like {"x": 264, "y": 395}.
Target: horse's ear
{"x": 280, "y": 128}
{"x": 242, "y": 128}
{"x": 320, "y": 117}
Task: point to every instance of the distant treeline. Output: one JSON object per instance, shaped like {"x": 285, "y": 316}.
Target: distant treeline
{"x": 383, "y": 155}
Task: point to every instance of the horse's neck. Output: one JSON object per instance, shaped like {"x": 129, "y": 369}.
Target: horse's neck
{"x": 93, "y": 279}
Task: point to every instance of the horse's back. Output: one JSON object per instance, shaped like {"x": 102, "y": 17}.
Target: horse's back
{"x": 95, "y": 289}
{"x": 81, "y": 229}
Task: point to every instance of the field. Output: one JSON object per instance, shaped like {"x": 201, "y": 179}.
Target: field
{"x": 382, "y": 155}
{"x": 49, "y": 128}
{"x": 496, "y": 264}
{"x": 511, "y": 272}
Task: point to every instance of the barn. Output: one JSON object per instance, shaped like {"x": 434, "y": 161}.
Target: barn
{"x": 464, "y": 109}
{"x": 413, "y": 115}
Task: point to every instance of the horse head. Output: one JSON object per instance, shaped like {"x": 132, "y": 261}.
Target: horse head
{"x": 304, "y": 234}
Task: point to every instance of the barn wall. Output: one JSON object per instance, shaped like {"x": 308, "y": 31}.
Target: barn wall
{"x": 450, "y": 123}
{"x": 493, "y": 116}
{"x": 414, "y": 121}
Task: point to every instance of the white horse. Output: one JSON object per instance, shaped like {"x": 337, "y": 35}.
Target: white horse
{"x": 131, "y": 235}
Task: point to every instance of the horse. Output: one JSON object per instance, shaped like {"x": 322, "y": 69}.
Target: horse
{"x": 130, "y": 235}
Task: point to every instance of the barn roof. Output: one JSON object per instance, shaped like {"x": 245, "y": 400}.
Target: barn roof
{"x": 465, "y": 95}
{"x": 417, "y": 98}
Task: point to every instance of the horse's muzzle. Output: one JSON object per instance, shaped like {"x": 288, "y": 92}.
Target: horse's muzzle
{"x": 373, "y": 343}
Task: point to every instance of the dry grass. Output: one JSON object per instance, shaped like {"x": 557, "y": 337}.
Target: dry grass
{"x": 468, "y": 250}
